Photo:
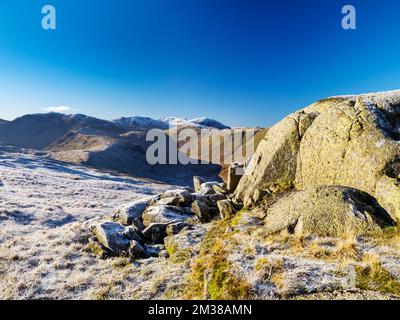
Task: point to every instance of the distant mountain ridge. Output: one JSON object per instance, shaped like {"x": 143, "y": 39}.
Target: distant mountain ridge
{"x": 119, "y": 145}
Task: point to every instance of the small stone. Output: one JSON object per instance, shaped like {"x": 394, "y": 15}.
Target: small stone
{"x": 175, "y": 228}
{"x": 197, "y": 182}
{"x": 225, "y": 208}
{"x": 134, "y": 210}
{"x": 133, "y": 234}
{"x": 202, "y": 211}
{"x": 136, "y": 250}
{"x": 220, "y": 188}
{"x": 155, "y": 233}
{"x": 181, "y": 196}
{"x": 234, "y": 175}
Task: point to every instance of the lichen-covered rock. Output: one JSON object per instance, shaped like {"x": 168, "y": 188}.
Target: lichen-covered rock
{"x": 220, "y": 188}
{"x": 111, "y": 235}
{"x": 202, "y": 211}
{"x": 163, "y": 214}
{"x": 226, "y": 209}
{"x": 134, "y": 210}
{"x": 155, "y": 233}
{"x": 275, "y": 161}
{"x": 197, "y": 182}
{"x": 182, "y": 197}
{"x": 235, "y": 173}
{"x": 351, "y": 143}
{"x": 136, "y": 250}
{"x": 175, "y": 228}
{"x": 132, "y": 233}
{"x": 388, "y": 195}
{"x": 327, "y": 211}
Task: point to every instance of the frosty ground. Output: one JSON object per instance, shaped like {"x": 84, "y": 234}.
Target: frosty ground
{"x": 43, "y": 207}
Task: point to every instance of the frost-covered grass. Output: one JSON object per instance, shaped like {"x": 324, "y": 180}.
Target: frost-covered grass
{"x": 44, "y": 209}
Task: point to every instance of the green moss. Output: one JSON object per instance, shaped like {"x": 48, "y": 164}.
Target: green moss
{"x": 376, "y": 278}
{"x": 211, "y": 275}
{"x": 177, "y": 255}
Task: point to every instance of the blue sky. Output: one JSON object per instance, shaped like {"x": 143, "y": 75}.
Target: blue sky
{"x": 241, "y": 62}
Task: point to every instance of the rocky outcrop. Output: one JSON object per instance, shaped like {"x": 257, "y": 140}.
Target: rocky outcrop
{"x": 274, "y": 163}
{"x": 351, "y": 141}
{"x": 142, "y": 226}
{"x": 327, "y": 211}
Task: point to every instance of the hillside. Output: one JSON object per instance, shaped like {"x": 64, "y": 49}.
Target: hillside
{"x": 119, "y": 145}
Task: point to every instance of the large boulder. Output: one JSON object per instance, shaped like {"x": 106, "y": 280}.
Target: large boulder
{"x": 134, "y": 210}
{"x": 275, "y": 160}
{"x": 351, "y": 141}
{"x": 111, "y": 235}
{"x": 327, "y": 211}
{"x": 163, "y": 214}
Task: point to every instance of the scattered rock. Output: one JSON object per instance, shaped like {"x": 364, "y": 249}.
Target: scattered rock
{"x": 134, "y": 210}
{"x": 111, "y": 235}
{"x": 214, "y": 198}
{"x": 155, "y": 251}
{"x": 197, "y": 182}
{"x": 225, "y": 208}
{"x": 202, "y": 211}
{"x": 163, "y": 214}
{"x": 155, "y": 233}
{"x": 175, "y": 228}
{"x": 98, "y": 249}
{"x": 182, "y": 196}
{"x": 138, "y": 224}
{"x": 207, "y": 188}
{"x": 133, "y": 234}
{"x": 235, "y": 173}
{"x": 136, "y": 250}
{"x": 220, "y": 188}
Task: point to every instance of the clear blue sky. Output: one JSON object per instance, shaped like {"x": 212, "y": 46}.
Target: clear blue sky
{"x": 243, "y": 62}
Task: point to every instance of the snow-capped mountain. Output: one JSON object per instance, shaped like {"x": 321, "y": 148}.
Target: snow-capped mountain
{"x": 141, "y": 122}
{"x": 197, "y": 122}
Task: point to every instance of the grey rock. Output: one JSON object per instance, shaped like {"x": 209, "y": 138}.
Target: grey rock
{"x": 134, "y": 210}
{"x": 202, "y": 211}
{"x": 154, "y": 250}
{"x": 132, "y": 233}
{"x": 216, "y": 197}
{"x": 235, "y": 173}
{"x": 182, "y": 197}
{"x": 110, "y": 235}
{"x": 197, "y": 182}
{"x": 138, "y": 224}
{"x": 220, "y": 188}
{"x": 175, "y": 228}
{"x": 155, "y": 233}
{"x": 136, "y": 250}
{"x": 225, "y": 208}
{"x": 163, "y": 214}
{"x": 98, "y": 249}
